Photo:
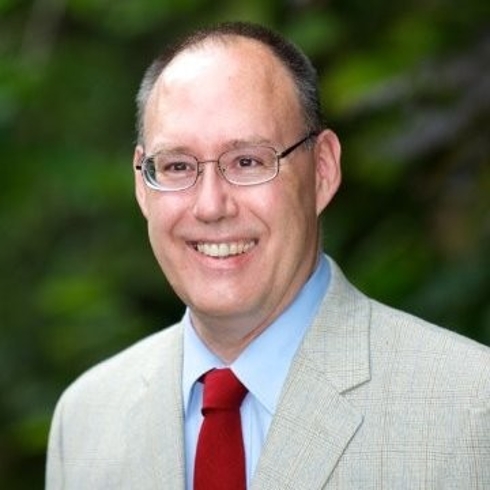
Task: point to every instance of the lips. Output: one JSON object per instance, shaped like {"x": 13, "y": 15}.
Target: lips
{"x": 224, "y": 249}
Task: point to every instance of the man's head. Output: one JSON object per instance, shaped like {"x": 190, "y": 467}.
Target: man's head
{"x": 237, "y": 255}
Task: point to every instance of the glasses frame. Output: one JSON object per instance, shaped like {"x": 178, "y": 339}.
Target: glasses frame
{"x": 145, "y": 160}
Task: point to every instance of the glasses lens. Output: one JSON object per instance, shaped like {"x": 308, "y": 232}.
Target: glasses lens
{"x": 248, "y": 166}
{"x": 169, "y": 171}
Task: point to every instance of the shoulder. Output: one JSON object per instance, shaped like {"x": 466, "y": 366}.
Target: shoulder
{"x": 416, "y": 353}
{"x": 396, "y": 328}
{"x": 116, "y": 376}
{"x": 406, "y": 348}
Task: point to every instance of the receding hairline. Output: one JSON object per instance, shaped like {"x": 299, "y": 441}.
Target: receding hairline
{"x": 230, "y": 41}
{"x": 226, "y": 40}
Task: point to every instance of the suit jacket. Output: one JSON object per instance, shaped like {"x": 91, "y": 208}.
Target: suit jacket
{"x": 375, "y": 399}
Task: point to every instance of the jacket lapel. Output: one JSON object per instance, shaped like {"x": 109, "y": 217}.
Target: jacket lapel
{"x": 314, "y": 422}
{"x": 157, "y": 418}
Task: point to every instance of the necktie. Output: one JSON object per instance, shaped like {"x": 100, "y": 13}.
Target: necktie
{"x": 220, "y": 455}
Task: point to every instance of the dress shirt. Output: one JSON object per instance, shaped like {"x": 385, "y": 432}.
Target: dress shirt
{"x": 262, "y": 367}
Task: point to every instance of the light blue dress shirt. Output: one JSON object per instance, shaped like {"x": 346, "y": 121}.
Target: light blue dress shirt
{"x": 262, "y": 367}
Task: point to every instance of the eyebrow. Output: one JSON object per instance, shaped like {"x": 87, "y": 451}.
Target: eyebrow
{"x": 254, "y": 140}
{"x": 228, "y": 145}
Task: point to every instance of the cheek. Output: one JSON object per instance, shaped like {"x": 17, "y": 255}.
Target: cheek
{"x": 300, "y": 197}
{"x": 161, "y": 222}
{"x": 290, "y": 212}
{"x": 157, "y": 236}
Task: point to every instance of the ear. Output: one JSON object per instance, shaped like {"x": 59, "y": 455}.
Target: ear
{"x": 139, "y": 184}
{"x": 328, "y": 173}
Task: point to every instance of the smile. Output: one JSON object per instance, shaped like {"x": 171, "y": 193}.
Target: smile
{"x": 224, "y": 250}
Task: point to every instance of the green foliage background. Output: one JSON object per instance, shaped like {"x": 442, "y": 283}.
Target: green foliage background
{"x": 405, "y": 85}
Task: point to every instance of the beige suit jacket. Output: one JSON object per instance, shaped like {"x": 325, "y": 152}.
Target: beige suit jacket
{"x": 375, "y": 399}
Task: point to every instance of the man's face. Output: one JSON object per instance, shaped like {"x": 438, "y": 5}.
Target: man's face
{"x": 206, "y": 101}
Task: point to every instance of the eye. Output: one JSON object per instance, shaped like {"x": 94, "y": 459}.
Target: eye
{"x": 177, "y": 167}
{"x": 248, "y": 161}
{"x": 174, "y": 165}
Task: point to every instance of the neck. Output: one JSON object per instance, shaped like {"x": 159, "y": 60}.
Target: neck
{"x": 227, "y": 338}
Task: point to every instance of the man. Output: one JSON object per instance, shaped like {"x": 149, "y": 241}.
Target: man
{"x": 232, "y": 171}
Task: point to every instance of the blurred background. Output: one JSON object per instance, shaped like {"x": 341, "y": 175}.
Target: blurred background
{"x": 406, "y": 85}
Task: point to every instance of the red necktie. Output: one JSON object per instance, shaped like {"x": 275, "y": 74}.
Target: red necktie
{"x": 220, "y": 455}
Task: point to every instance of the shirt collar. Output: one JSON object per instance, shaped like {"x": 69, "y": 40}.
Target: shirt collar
{"x": 263, "y": 366}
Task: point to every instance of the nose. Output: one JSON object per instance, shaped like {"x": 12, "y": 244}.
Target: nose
{"x": 214, "y": 199}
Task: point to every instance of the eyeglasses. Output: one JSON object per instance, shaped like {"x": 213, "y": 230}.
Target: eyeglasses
{"x": 169, "y": 171}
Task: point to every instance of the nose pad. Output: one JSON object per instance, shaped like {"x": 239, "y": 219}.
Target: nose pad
{"x": 217, "y": 168}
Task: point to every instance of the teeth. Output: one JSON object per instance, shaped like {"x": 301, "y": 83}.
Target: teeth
{"x": 223, "y": 250}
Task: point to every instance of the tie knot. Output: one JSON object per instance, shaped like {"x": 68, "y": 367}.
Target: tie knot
{"x": 222, "y": 391}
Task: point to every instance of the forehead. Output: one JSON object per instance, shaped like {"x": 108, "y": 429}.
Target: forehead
{"x": 232, "y": 53}
{"x": 232, "y": 82}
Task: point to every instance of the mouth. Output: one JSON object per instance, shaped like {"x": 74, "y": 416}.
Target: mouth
{"x": 224, "y": 250}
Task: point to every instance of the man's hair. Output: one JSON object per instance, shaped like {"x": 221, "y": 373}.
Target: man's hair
{"x": 293, "y": 59}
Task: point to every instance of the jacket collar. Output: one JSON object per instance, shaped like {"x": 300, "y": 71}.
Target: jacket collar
{"x": 315, "y": 422}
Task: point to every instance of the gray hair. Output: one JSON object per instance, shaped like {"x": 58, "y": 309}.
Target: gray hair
{"x": 295, "y": 61}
